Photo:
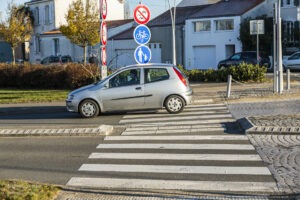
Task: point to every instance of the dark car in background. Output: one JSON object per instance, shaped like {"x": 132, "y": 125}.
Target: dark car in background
{"x": 56, "y": 59}
{"x": 246, "y": 57}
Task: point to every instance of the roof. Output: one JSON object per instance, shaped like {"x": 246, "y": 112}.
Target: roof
{"x": 185, "y": 3}
{"x": 125, "y": 35}
{"x": 52, "y": 32}
{"x": 116, "y": 23}
{"x": 182, "y": 13}
{"x": 110, "y": 24}
{"x": 227, "y": 8}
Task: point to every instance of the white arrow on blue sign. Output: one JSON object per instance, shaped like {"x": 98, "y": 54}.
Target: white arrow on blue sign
{"x": 142, "y": 34}
{"x": 142, "y": 54}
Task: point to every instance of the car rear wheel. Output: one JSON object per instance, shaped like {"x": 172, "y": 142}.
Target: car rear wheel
{"x": 89, "y": 108}
{"x": 174, "y": 104}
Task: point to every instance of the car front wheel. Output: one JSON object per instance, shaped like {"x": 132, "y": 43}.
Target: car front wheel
{"x": 174, "y": 104}
{"x": 89, "y": 109}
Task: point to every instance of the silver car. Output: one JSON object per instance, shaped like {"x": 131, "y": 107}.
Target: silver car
{"x": 292, "y": 62}
{"x": 135, "y": 87}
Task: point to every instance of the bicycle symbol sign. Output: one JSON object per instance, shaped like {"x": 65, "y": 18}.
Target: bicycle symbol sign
{"x": 142, "y": 54}
{"x": 142, "y": 34}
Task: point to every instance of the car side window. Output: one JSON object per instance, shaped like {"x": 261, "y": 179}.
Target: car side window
{"x": 295, "y": 57}
{"x": 126, "y": 78}
{"x": 156, "y": 74}
{"x": 236, "y": 56}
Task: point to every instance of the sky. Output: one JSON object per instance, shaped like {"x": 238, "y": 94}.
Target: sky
{"x": 156, "y": 6}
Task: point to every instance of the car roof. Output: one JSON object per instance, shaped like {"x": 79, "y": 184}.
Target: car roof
{"x": 148, "y": 65}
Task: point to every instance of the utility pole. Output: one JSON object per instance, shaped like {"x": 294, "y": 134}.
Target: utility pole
{"x": 278, "y": 70}
{"x": 173, "y": 19}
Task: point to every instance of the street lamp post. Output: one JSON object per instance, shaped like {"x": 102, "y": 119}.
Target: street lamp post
{"x": 173, "y": 19}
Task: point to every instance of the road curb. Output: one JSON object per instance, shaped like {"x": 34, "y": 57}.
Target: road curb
{"x": 249, "y": 128}
{"x": 101, "y": 130}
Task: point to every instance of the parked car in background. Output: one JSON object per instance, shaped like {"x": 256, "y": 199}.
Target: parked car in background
{"x": 135, "y": 87}
{"x": 246, "y": 57}
{"x": 56, "y": 59}
{"x": 292, "y": 62}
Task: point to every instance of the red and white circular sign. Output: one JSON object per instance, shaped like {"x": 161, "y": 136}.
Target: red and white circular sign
{"x": 103, "y": 33}
{"x": 103, "y": 56}
{"x": 141, "y": 14}
{"x": 103, "y": 8}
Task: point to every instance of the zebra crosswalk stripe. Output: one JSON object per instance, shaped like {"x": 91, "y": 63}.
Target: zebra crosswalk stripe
{"x": 178, "y": 137}
{"x": 169, "y": 156}
{"x": 176, "y": 118}
{"x": 175, "y": 169}
{"x": 227, "y": 186}
{"x": 176, "y": 146}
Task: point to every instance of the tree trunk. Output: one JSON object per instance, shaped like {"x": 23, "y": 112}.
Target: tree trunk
{"x": 84, "y": 53}
{"x": 13, "y": 55}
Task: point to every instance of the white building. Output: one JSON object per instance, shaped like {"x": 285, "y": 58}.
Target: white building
{"x": 212, "y": 33}
{"x": 49, "y": 16}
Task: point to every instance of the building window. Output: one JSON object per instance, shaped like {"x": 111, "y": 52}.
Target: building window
{"x": 47, "y": 15}
{"x": 202, "y": 26}
{"x": 56, "y": 47}
{"x": 225, "y": 25}
{"x": 36, "y": 16}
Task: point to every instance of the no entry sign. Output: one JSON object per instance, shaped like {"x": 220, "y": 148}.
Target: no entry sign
{"x": 103, "y": 56}
{"x": 103, "y": 8}
{"x": 141, "y": 14}
{"x": 103, "y": 33}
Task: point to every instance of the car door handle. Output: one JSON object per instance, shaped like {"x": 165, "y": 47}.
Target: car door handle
{"x": 138, "y": 88}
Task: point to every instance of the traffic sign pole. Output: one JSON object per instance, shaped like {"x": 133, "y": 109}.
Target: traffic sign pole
{"x": 103, "y": 38}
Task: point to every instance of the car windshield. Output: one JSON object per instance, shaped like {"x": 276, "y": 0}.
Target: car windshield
{"x": 108, "y": 77}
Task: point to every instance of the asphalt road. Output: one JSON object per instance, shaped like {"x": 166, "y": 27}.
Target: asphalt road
{"x": 50, "y": 115}
{"x": 49, "y": 160}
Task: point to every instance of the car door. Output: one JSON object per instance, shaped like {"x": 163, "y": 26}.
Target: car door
{"x": 156, "y": 86}
{"x": 123, "y": 91}
{"x": 235, "y": 59}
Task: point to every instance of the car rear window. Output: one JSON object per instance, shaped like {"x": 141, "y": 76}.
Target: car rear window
{"x": 156, "y": 74}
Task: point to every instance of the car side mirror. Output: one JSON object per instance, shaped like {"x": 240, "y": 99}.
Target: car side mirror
{"x": 106, "y": 85}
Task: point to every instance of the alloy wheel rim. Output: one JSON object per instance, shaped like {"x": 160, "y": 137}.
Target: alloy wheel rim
{"x": 88, "y": 109}
{"x": 175, "y": 104}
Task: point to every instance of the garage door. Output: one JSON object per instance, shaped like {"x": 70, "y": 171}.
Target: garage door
{"x": 205, "y": 57}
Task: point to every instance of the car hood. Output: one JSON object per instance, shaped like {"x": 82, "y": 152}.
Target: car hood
{"x": 84, "y": 88}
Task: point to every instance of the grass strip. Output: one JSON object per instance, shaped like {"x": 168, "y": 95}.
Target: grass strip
{"x": 21, "y": 190}
{"x": 31, "y": 96}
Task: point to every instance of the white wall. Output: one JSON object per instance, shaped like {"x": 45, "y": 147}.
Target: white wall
{"x": 115, "y": 10}
{"x": 219, "y": 39}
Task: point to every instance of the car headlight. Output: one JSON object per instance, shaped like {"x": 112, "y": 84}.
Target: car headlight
{"x": 70, "y": 97}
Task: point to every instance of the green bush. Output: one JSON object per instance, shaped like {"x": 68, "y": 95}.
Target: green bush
{"x": 68, "y": 76}
{"x": 74, "y": 75}
{"x": 243, "y": 72}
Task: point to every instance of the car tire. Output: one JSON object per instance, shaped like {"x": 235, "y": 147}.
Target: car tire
{"x": 174, "y": 104}
{"x": 89, "y": 109}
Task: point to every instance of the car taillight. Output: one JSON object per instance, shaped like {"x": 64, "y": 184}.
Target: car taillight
{"x": 180, "y": 76}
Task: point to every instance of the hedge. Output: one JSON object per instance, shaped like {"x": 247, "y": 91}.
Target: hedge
{"x": 243, "y": 73}
{"x": 67, "y": 76}
{"x": 74, "y": 75}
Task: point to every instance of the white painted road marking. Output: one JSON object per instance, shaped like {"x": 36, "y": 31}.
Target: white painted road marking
{"x": 168, "y": 156}
{"x": 177, "y": 146}
{"x": 177, "y": 169}
{"x": 179, "y": 137}
{"x": 174, "y": 184}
